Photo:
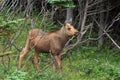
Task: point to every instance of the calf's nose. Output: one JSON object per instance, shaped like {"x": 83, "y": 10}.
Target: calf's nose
{"x": 76, "y": 32}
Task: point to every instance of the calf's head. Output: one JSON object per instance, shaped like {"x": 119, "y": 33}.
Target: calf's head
{"x": 69, "y": 29}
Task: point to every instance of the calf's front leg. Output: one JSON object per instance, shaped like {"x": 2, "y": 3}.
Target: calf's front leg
{"x": 57, "y": 65}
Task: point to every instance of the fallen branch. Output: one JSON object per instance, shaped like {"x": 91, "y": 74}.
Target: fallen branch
{"x": 5, "y": 54}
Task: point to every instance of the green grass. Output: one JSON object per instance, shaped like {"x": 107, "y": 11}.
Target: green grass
{"x": 86, "y": 64}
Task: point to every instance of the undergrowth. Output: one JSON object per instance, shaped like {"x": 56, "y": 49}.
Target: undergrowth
{"x": 85, "y": 64}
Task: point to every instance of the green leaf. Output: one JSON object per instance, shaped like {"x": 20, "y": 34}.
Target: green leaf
{"x": 64, "y": 3}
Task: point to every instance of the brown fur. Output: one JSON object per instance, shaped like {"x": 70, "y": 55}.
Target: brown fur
{"x": 52, "y": 41}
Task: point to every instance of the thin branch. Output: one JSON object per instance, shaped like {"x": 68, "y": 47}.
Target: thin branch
{"x": 95, "y": 3}
{"x": 107, "y": 34}
{"x": 101, "y": 11}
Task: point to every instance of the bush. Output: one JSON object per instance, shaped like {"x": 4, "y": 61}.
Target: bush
{"x": 18, "y": 75}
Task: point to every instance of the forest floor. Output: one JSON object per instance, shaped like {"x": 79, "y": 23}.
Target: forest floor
{"x": 84, "y": 64}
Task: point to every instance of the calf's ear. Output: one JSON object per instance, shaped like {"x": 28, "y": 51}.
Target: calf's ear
{"x": 65, "y": 24}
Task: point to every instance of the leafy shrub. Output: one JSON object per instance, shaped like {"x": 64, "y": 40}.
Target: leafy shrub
{"x": 48, "y": 76}
{"x": 18, "y": 75}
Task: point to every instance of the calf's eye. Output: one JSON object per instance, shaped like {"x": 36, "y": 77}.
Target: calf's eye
{"x": 69, "y": 28}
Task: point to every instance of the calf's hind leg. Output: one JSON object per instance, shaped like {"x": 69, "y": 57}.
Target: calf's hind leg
{"x": 23, "y": 53}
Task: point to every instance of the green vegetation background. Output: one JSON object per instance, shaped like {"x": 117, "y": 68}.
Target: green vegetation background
{"x": 86, "y": 63}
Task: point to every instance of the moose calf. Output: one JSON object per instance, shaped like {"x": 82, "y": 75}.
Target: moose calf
{"x": 52, "y": 42}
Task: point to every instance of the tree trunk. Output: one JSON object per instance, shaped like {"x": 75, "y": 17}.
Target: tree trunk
{"x": 29, "y": 7}
{"x": 69, "y": 15}
{"x": 100, "y": 41}
{"x": 100, "y": 32}
{"x": 69, "y": 19}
